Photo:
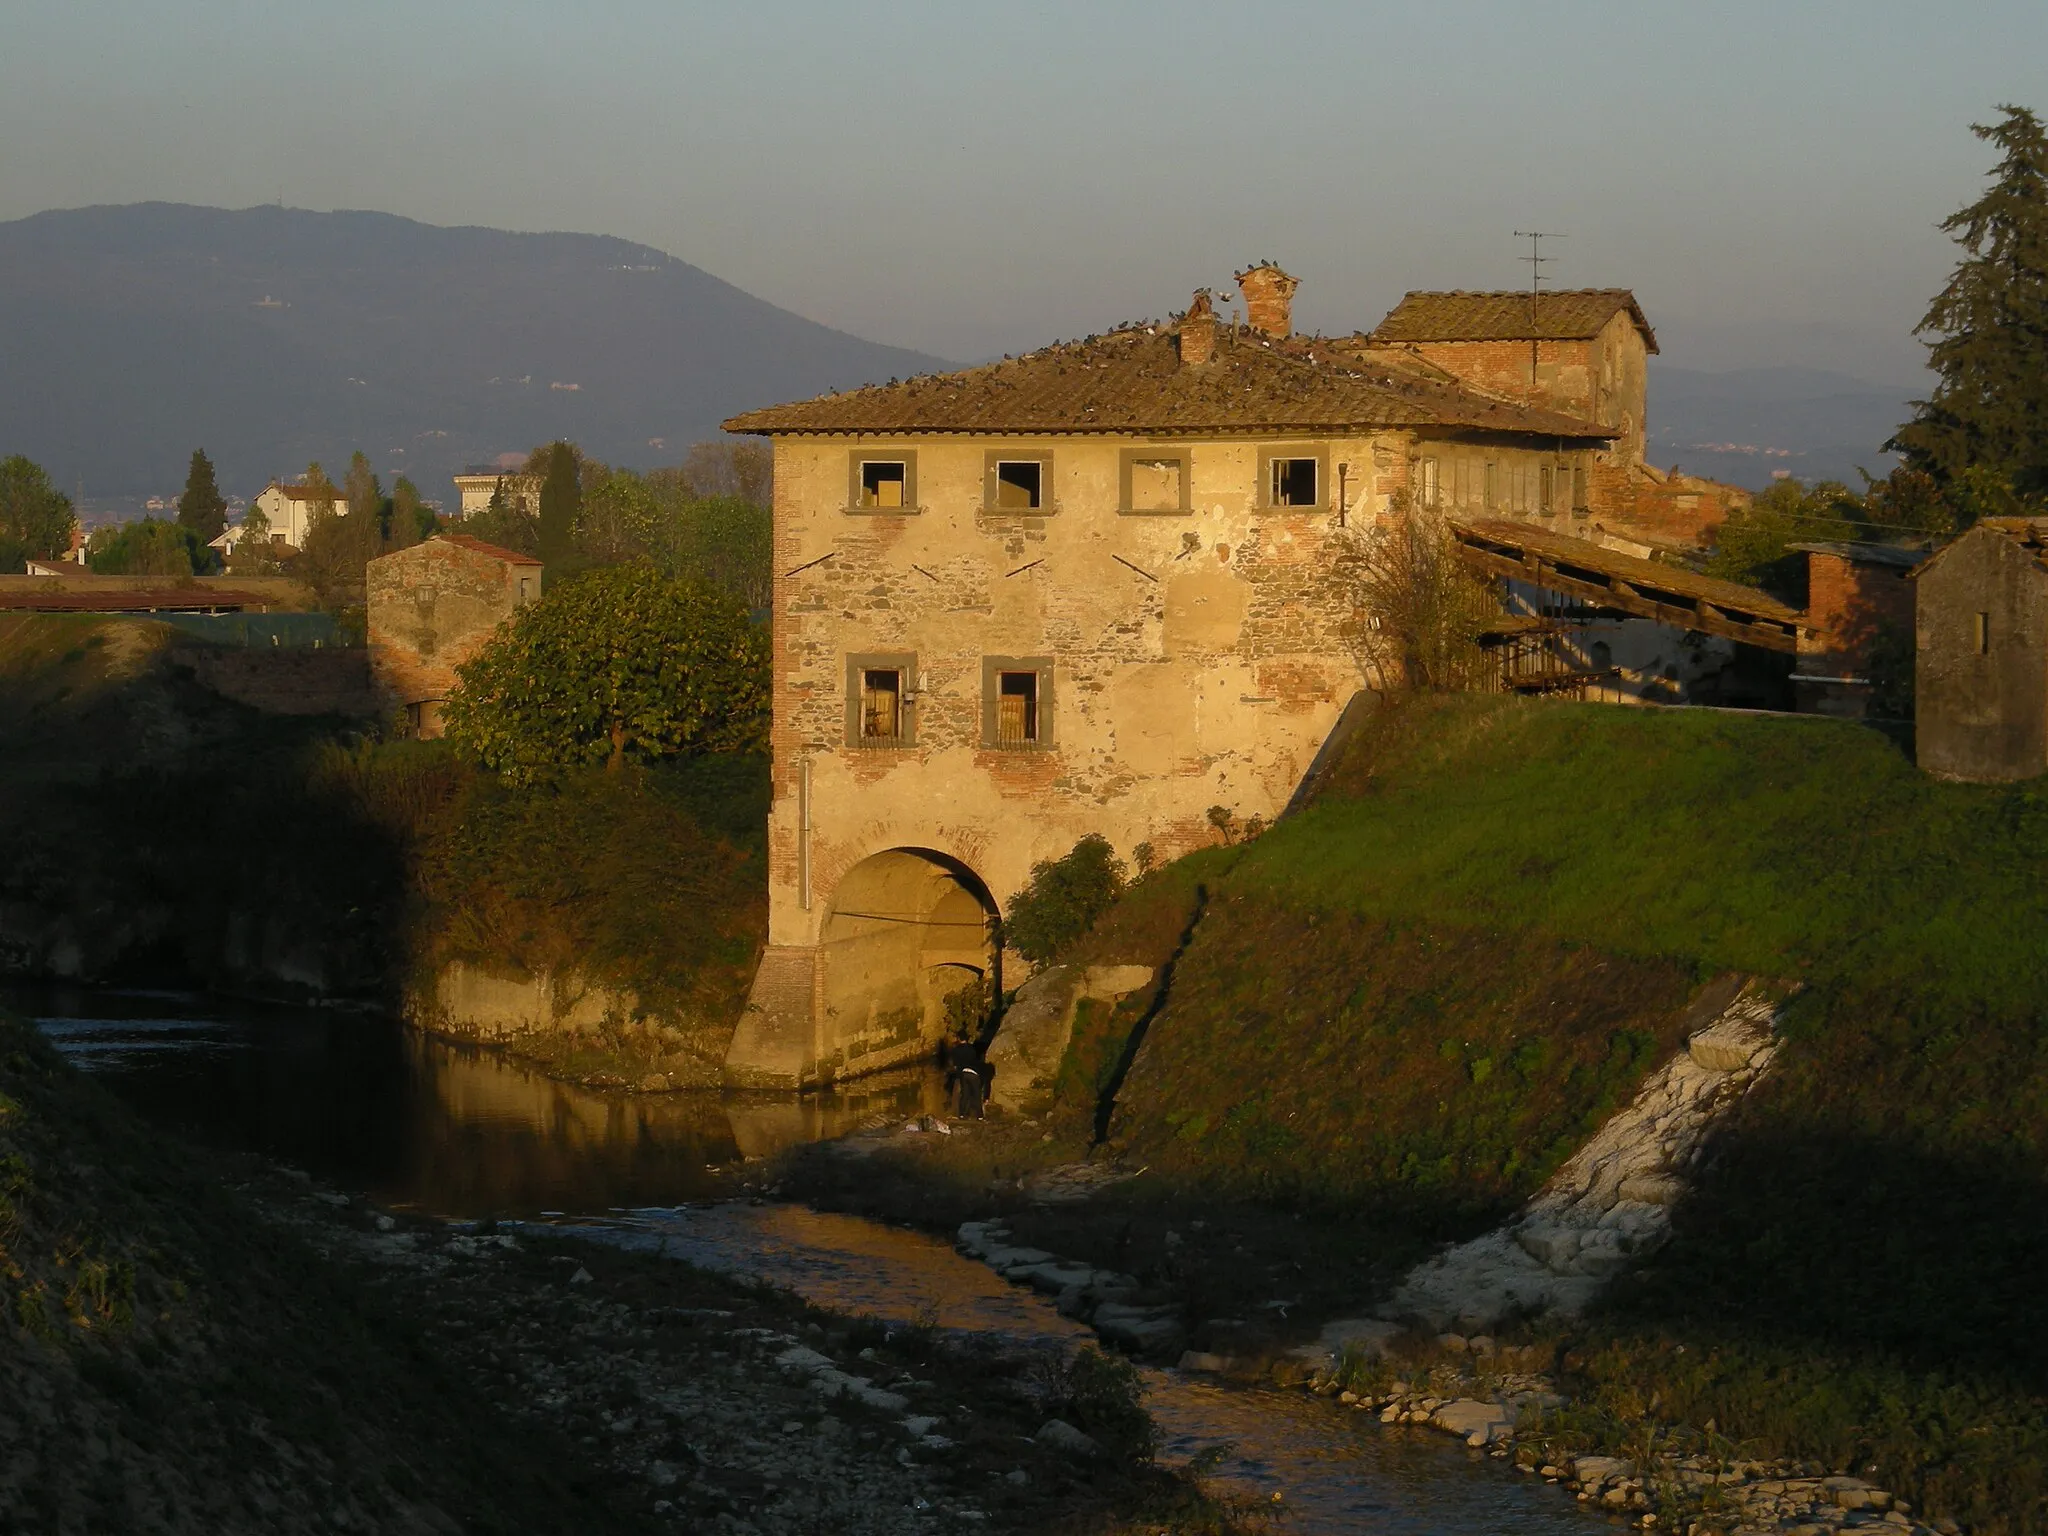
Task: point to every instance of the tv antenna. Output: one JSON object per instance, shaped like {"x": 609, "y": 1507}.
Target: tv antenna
{"x": 1537, "y": 262}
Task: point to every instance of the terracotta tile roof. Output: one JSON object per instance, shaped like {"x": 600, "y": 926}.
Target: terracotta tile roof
{"x": 1132, "y": 381}
{"x": 1571, "y": 314}
{"x": 495, "y": 551}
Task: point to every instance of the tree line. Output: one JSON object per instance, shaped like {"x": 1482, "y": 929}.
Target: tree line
{"x": 707, "y": 517}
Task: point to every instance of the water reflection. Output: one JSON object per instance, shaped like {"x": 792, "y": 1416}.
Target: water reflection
{"x": 452, "y": 1129}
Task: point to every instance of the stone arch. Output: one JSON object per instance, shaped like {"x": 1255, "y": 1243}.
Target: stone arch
{"x": 904, "y": 928}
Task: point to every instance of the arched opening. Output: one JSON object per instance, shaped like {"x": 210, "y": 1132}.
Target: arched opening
{"x": 906, "y": 929}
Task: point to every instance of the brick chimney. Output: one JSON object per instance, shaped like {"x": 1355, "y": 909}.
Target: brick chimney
{"x": 1268, "y": 298}
{"x": 1198, "y": 331}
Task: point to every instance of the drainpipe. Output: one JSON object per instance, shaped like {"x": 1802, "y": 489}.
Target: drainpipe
{"x": 803, "y": 832}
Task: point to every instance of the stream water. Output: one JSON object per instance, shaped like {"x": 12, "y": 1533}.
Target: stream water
{"x": 366, "y": 1105}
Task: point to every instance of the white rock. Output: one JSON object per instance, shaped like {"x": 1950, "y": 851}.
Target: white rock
{"x": 1480, "y": 1423}
{"x": 1059, "y": 1435}
{"x": 1592, "y": 1470}
{"x": 581, "y": 1277}
{"x": 1146, "y": 1329}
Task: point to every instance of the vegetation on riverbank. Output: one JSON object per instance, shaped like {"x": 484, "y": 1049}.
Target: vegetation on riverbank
{"x": 159, "y": 832}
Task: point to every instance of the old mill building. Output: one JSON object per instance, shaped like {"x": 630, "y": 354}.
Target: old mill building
{"x": 1108, "y": 585}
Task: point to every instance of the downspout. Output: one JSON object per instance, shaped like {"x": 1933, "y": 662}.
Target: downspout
{"x": 803, "y": 832}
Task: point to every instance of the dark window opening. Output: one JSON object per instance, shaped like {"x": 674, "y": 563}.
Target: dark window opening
{"x": 1017, "y": 709}
{"x": 881, "y": 705}
{"x": 882, "y": 482}
{"x": 1294, "y": 482}
{"x": 1982, "y": 634}
{"x": 1019, "y": 484}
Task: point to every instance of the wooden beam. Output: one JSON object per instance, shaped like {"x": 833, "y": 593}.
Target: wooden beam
{"x": 1613, "y": 592}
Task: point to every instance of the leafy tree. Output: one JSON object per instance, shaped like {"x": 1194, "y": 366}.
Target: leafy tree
{"x": 1989, "y": 412}
{"x": 36, "y": 520}
{"x": 154, "y": 546}
{"x": 253, "y": 553}
{"x": 1064, "y": 898}
{"x": 561, "y": 500}
{"x": 610, "y": 663}
{"x": 202, "y": 508}
{"x": 506, "y": 522}
{"x": 1754, "y": 544}
{"x": 724, "y": 540}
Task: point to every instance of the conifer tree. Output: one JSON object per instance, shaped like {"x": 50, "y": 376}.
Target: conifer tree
{"x": 409, "y": 521}
{"x": 202, "y": 508}
{"x": 561, "y": 502}
{"x": 365, "y": 496}
{"x": 1988, "y": 415}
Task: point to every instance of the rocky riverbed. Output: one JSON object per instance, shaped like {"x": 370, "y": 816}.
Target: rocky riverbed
{"x": 713, "y": 1405}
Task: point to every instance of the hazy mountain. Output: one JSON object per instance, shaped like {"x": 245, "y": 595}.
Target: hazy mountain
{"x": 1746, "y": 424}
{"x": 271, "y": 336}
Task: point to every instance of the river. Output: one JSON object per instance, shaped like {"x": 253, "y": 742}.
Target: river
{"x": 361, "y": 1103}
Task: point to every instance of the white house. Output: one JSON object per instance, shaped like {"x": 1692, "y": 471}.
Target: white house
{"x": 289, "y": 507}
{"x": 478, "y": 483}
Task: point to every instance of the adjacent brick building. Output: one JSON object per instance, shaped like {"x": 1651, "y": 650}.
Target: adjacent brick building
{"x": 1859, "y": 613}
{"x": 1582, "y": 352}
{"x": 431, "y": 607}
{"x": 1101, "y": 587}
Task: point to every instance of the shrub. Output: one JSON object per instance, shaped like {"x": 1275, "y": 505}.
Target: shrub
{"x": 1064, "y": 898}
{"x": 611, "y": 663}
{"x": 1104, "y": 1396}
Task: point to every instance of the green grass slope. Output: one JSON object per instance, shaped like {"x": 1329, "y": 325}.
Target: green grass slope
{"x": 1411, "y": 999}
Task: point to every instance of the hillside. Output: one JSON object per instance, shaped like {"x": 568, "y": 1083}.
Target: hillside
{"x": 272, "y": 336}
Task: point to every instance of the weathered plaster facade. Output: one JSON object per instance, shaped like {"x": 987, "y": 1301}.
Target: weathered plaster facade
{"x": 1981, "y": 664}
{"x": 1180, "y": 604}
{"x": 431, "y": 608}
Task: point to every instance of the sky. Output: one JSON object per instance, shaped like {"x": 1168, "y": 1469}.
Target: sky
{"x": 972, "y": 179}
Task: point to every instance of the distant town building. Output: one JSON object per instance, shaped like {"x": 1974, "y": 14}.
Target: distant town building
{"x": 479, "y": 482}
{"x": 431, "y": 608}
{"x": 1981, "y": 669}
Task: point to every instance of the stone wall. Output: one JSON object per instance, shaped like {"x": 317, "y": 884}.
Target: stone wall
{"x": 431, "y": 608}
{"x": 287, "y": 681}
{"x": 1981, "y": 666}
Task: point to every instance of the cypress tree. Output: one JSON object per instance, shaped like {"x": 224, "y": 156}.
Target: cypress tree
{"x": 1988, "y": 414}
{"x": 202, "y": 508}
{"x": 561, "y": 500}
